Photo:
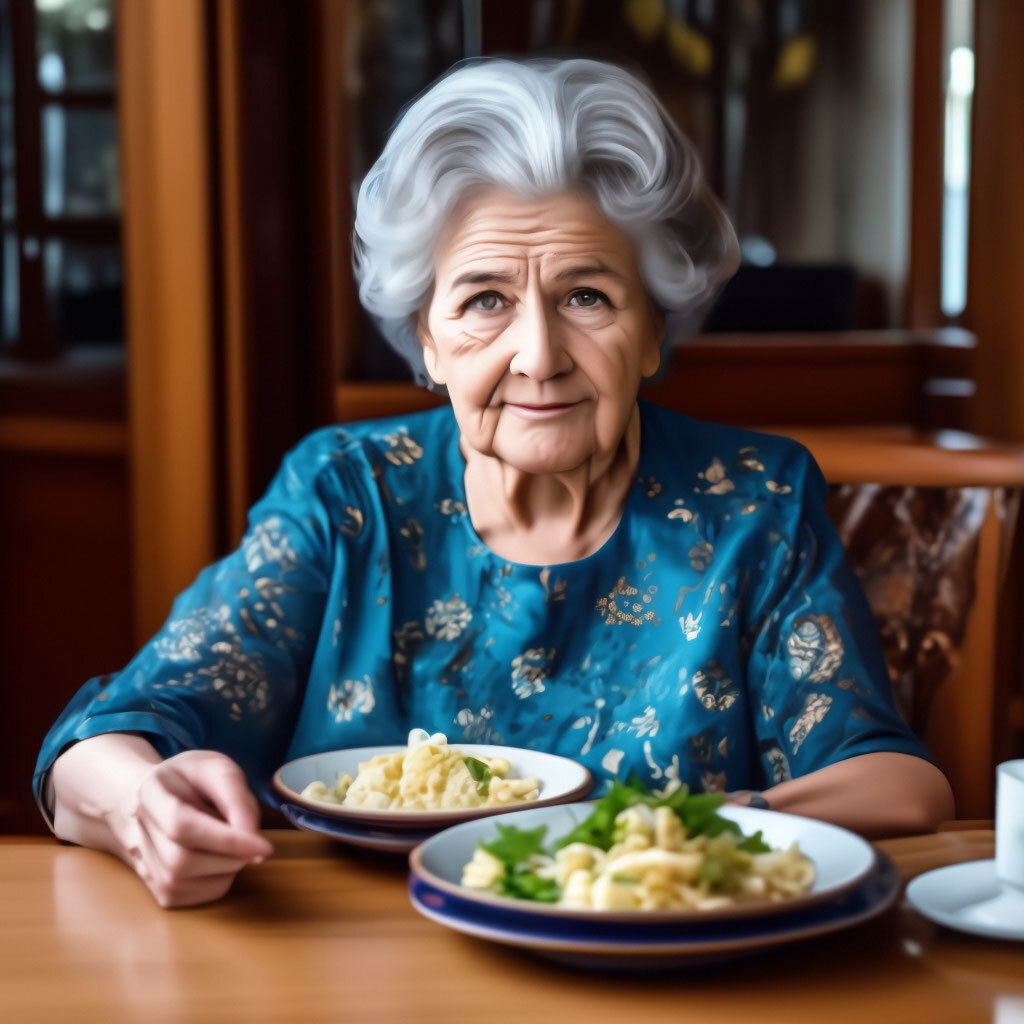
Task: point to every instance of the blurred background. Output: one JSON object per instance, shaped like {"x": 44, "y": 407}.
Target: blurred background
{"x": 177, "y": 307}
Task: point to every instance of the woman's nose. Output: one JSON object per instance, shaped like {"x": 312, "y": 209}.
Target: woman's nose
{"x": 537, "y": 337}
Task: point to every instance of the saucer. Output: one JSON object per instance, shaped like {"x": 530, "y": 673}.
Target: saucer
{"x": 970, "y": 898}
{"x": 381, "y": 840}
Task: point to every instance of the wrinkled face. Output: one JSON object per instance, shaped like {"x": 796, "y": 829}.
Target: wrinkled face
{"x": 541, "y": 328}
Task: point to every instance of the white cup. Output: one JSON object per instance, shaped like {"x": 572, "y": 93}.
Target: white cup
{"x": 1010, "y": 822}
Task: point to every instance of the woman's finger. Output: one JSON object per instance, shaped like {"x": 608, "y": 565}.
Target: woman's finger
{"x": 172, "y": 804}
{"x": 222, "y": 783}
{"x": 182, "y": 863}
{"x": 171, "y": 890}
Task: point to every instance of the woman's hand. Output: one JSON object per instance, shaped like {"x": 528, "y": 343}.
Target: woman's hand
{"x": 189, "y": 827}
{"x": 186, "y": 825}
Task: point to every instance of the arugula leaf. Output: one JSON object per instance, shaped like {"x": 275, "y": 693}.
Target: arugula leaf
{"x": 754, "y": 844}
{"x": 480, "y": 773}
{"x": 515, "y": 845}
{"x": 525, "y": 885}
{"x": 676, "y": 801}
{"x": 598, "y": 827}
{"x": 697, "y": 811}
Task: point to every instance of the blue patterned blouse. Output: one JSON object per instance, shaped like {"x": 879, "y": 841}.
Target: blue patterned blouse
{"x": 718, "y": 636}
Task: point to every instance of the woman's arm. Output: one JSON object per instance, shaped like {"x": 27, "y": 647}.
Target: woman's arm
{"x": 151, "y": 763}
{"x": 187, "y": 825}
{"x": 878, "y": 794}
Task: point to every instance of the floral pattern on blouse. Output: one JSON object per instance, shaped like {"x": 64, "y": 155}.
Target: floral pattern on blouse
{"x": 718, "y": 637}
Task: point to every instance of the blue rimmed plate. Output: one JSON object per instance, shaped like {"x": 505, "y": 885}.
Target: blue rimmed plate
{"x": 841, "y": 860}
{"x": 654, "y": 946}
{"x": 853, "y": 884}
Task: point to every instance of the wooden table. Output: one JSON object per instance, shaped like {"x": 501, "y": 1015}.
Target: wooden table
{"x": 324, "y": 932}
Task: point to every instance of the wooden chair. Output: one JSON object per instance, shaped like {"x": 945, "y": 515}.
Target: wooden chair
{"x": 973, "y": 717}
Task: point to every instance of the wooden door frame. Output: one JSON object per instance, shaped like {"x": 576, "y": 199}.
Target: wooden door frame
{"x": 164, "y": 127}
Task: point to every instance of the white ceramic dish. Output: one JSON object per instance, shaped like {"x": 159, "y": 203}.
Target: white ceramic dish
{"x": 656, "y": 948}
{"x": 561, "y": 781}
{"x": 970, "y": 898}
{"x": 842, "y": 860}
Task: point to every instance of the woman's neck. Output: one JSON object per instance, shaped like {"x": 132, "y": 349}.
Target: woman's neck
{"x": 546, "y": 519}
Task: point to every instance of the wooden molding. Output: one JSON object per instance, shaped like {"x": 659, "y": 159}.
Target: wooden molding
{"x": 901, "y": 457}
{"x": 52, "y": 436}
{"x": 921, "y": 379}
{"x": 162, "y": 97}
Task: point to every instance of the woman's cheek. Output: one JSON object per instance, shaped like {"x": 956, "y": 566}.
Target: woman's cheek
{"x": 611, "y": 357}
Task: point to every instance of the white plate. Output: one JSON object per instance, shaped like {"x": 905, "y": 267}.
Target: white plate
{"x": 842, "y": 860}
{"x": 561, "y": 781}
{"x": 970, "y": 898}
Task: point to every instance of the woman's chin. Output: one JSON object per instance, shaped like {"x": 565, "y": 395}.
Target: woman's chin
{"x": 528, "y": 458}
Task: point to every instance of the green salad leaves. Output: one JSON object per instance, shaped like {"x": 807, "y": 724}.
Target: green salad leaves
{"x": 514, "y": 847}
{"x": 698, "y": 812}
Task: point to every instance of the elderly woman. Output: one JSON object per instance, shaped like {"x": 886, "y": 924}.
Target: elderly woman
{"x": 547, "y": 562}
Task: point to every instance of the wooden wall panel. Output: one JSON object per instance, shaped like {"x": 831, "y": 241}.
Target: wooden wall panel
{"x": 64, "y": 608}
{"x": 995, "y": 296}
{"x": 274, "y": 238}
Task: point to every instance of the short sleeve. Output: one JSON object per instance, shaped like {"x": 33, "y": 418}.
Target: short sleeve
{"x": 228, "y": 668}
{"x": 819, "y": 687}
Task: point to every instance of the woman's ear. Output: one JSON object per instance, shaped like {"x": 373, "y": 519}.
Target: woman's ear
{"x": 430, "y": 360}
{"x": 653, "y": 343}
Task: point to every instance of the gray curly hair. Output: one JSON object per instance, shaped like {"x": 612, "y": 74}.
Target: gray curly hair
{"x": 536, "y": 127}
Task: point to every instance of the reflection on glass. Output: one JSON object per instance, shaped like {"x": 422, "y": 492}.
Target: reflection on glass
{"x": 80, "y": 171}
{"x": 85, "y": 291}
{"x": 75, "y": 44}
{"x": 959, "y": 33}
{"x": 9, "y": 288}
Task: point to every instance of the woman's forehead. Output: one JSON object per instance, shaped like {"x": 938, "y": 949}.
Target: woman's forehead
{"x": 498, "y": 226}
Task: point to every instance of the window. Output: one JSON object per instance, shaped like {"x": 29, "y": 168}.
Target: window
{"x": 60, "y": 259}
{"x": 801, "y": 112}
{"x": 959, "y": 91}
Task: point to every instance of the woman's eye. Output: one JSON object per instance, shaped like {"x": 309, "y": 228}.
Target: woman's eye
{"x": 587, "y": 298}
{"x": 486, "y": 302}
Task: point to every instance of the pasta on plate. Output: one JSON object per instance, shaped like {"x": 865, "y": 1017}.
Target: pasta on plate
{"x": 641, "y": 852}
{"x": 428, "y": 775}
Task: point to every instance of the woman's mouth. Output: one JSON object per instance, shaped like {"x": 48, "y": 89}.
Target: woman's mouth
{"x": 538, "y": 411}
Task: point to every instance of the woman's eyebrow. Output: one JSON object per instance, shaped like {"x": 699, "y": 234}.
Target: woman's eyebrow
{"x": 482, "y": 277}
{"x": 588, "y": 270}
